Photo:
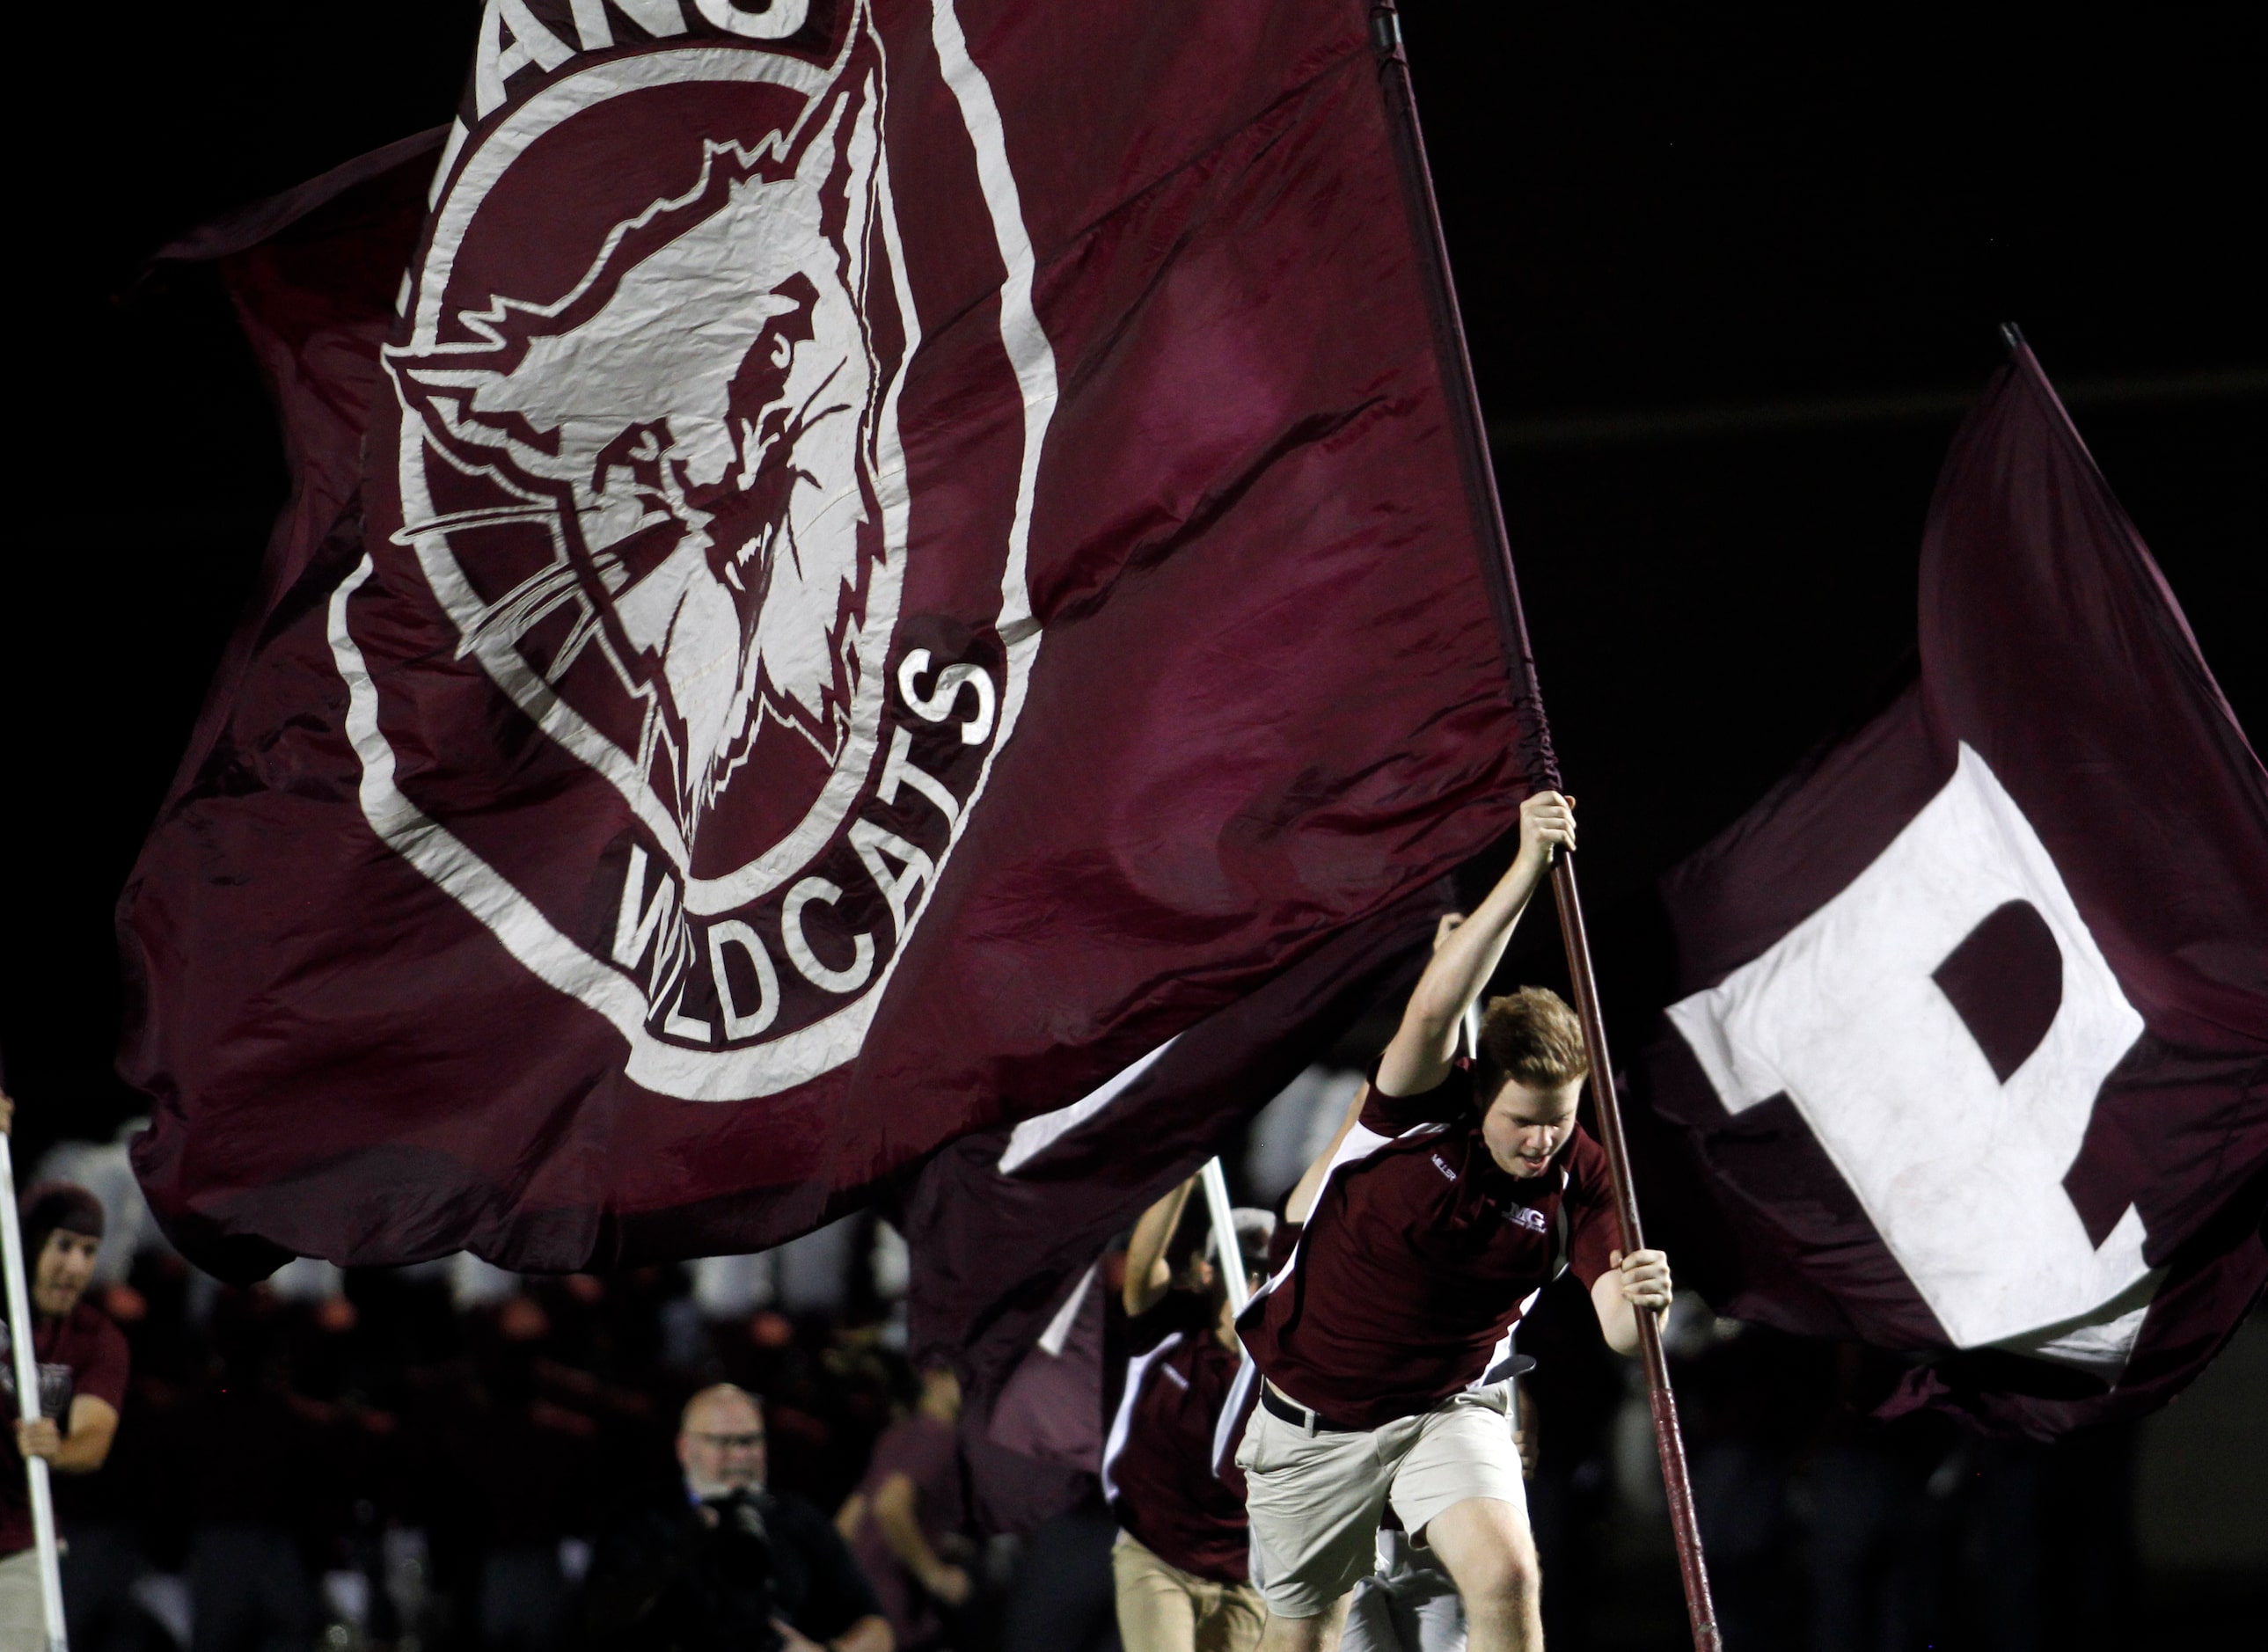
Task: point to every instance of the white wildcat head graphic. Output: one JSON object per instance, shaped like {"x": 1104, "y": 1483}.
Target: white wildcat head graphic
{"x": 697, "y": 415}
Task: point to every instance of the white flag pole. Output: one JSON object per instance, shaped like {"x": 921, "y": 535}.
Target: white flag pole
{"x": 1223, "y": 1228}
{"x": 27, "y": 1401}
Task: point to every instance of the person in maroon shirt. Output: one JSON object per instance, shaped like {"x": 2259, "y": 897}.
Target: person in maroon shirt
{"x": 907, "y": 1520}
{"x": 84, "y": 1354}
{"x": 1386, "y": 1340}
{"x": 1179, "y": 1564}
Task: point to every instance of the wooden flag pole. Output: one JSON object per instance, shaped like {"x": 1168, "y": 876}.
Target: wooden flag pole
{"x": 20, "y": 1326}
{"x": 1668, "y": 1440}
{"x": 1463, "y": 407}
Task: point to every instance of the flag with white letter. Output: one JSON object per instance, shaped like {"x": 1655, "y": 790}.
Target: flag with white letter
{"x": 855, "y": 581}
{"x": 1973, "y": 1048}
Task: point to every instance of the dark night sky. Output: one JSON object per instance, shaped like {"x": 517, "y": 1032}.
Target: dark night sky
{"x": 1667, "y": 223}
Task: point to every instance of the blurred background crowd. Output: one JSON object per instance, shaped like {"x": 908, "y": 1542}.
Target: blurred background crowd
{"x": 425, "y": 1457}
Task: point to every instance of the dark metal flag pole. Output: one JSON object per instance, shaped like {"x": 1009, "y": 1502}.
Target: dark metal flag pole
{"x": 1543, "y": 771}
{"x": 1668, "y": 1440}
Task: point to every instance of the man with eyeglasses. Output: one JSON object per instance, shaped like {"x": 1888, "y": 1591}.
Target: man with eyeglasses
{"x": 731, "y": 1563}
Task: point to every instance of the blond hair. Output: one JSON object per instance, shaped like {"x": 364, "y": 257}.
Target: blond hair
{"x": 1532, "y": 1036}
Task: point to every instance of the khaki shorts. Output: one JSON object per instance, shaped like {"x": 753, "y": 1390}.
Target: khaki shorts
{"x": 23, "y": 1618}
{"x": 1315, "y": 1500}
{"x": 1163, "y": 1609}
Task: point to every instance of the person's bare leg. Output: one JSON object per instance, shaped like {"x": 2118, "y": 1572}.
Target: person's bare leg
{"x": 1318, "y": 1634}
{"x": 1486, "y": 1546}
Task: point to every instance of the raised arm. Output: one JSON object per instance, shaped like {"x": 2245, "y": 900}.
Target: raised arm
{"x": 1426, "y": 1042}
{"x": 1148, "y": 1278}
{"x": 897, "y": 1512}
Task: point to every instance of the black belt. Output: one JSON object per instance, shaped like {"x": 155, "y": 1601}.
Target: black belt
{"x": 1300, "y": 1416}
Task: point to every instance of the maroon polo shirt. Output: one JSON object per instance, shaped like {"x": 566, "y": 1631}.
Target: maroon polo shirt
{"x": 1419, "y": 1257}
{"x": 86, "y": 1340}
{"x": 1158, "y": 1462}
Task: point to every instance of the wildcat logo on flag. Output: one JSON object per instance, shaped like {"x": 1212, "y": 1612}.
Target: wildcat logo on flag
{"x": 822, "y": 611}
{"x": 665, "y": 511}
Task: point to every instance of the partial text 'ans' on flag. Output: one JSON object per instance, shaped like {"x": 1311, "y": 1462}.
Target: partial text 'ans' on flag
{"x": 1972, "y": 1057}
{"x": 817, "y": 616}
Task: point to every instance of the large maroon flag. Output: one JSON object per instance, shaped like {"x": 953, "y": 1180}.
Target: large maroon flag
{"x": 896, "y": 555}
{"x": 1974, "y": 1049}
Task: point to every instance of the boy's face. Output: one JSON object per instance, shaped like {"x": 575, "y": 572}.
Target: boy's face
{"x": 60, "y": 1276}
{"x": 1525, "y": 1126}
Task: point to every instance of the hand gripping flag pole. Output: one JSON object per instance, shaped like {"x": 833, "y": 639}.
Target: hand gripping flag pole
{"x": 27, "y": 1401}
{"x": 1542, "y": 773}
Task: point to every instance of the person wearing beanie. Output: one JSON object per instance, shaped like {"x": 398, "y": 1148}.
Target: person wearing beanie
{"x": 81, "y": 1357}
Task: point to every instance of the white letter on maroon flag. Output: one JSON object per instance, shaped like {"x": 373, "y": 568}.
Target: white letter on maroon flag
{"x": 1959, "y": 1169}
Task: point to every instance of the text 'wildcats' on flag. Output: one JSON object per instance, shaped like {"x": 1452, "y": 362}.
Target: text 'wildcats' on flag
{"x": 848, "y": 578}
{"x": 1972, "y": 1047}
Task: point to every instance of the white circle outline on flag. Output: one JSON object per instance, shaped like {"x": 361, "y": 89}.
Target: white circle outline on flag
{"x": 762, "y": 1069}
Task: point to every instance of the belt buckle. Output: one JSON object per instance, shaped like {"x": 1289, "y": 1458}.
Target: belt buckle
{"x": 1309, "y": 1423}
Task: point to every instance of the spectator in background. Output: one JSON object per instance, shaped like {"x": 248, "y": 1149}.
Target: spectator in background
{"x": 731, "y": 1564}
{"x": 74, "y": 1341}
{"x": 907, "y": 1520}
{"x": 527, "y": 1462}
{"x": 255, "y": 1467}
